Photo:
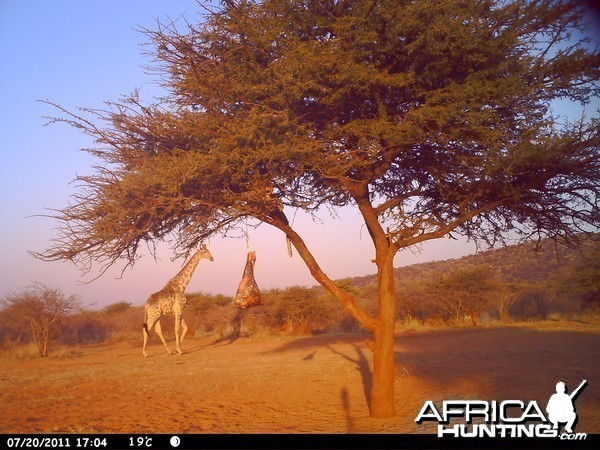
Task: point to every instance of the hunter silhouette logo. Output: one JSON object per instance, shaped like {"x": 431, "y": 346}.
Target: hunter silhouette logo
{"x": 560, "y": 407}
{"x": 506, "y": 418}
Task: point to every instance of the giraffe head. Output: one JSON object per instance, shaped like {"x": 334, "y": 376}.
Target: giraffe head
{"x": 205, "y": 253}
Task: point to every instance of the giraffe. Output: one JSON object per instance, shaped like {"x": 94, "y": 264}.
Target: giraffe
{"x": 171, "y": 300}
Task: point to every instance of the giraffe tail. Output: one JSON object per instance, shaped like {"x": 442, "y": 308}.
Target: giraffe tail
{"x": 146, "y": 321}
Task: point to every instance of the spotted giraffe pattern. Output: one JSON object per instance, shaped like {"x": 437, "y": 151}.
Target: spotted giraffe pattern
{"x": 171, "y": 300}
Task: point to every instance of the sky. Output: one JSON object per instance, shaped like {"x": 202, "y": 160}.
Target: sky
{"x": 80, "y": 54}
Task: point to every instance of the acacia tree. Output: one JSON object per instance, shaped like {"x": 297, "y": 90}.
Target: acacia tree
{"x": 507, "y": 296}
{"x": 464, "y": 292}
{"x": 428, "y": 117}
{"x": 39, "y": 308}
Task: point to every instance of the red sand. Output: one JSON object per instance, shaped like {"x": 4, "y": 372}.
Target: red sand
{"x": 292, "y": 384}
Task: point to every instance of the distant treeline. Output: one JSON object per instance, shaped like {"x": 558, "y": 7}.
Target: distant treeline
{"x": 517, "y": 283}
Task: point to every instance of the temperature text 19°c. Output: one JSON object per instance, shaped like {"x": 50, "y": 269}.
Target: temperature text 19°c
{"x": 140, "y": 441}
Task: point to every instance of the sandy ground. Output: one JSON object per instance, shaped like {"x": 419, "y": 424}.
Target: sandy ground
{"x": 293, "y": 384}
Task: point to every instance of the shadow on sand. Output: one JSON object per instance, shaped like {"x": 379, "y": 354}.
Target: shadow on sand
{"x": 359, "y": 359}
{"x": 492, "y": 363}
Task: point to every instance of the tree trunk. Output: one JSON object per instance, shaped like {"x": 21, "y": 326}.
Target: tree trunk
{"x": 382, "y": 326}
{"x": 36, "y": 334}
{"x": 382, "y": 387}
{"x": 45, "y": 339}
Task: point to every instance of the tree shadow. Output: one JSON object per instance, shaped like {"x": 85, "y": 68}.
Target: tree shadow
{"x": 310, "y": 356}
{"x": 236, "y": 329}
{"x": 234, "y": 335}
{"x": 363, "y": 367}
{"x": 319, "y": 341}
{"x": 346, "y": 405}
{"x": 494, "y": 358}
{"x": 356, "y": 341}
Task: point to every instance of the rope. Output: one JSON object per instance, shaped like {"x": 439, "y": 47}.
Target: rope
{"x": 246, "y": 233}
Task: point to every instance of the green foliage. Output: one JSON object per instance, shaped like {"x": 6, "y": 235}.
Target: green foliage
{"x": 295, "y": 310}
{"x": 199, "y": 302}
{"x": 300, "y": 310}
{"x": 528, "y": 281}
{"x": 466, "y": 292}
{"x": 582, "y": 280}
{"x": 85, "y": 327}
{"x": 116, "y": 308}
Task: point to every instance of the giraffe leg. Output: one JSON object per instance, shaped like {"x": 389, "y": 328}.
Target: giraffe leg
{"x": 158, "y": 330}
{"x": 146, "y": 332}
{"x": 145, "y": 340}
{"x": 177, "y": 336}
{"x": 152, "y": 317}
{"x": 184, "y": 328}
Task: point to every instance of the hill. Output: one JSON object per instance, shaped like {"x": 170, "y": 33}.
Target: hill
{"x": 528, "y": 262}
{"x": 526, "y": 281}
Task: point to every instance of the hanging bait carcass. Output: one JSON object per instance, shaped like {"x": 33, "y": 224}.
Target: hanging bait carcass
{"x": 248, "y": 293}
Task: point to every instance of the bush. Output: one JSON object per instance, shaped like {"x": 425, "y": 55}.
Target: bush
{"x": 85, "y": 327}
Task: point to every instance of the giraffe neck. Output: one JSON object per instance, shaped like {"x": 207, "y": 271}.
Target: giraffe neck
{"x": 181, "y": 280}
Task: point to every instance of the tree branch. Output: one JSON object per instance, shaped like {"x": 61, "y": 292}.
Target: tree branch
{"x": 279, "y": 220}
{"x": 443, "y": 230}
